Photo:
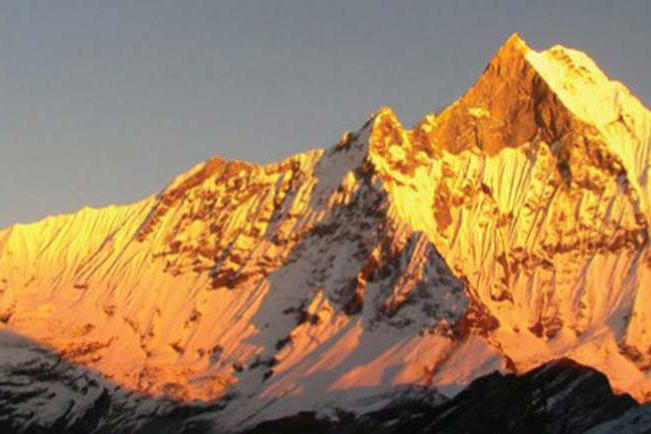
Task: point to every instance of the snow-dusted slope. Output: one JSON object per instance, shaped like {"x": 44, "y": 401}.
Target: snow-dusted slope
{"x": 508, "y": 231}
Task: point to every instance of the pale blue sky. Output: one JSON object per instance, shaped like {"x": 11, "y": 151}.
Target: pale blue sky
{"x": 106, "y": 101}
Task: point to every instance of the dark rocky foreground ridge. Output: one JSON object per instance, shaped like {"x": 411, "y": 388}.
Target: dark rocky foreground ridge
{"x": 559, "y": 397}
{"x": 40, "y": 393}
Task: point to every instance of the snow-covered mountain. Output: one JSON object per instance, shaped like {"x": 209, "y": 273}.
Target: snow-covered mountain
{"x": 508, "y": 231}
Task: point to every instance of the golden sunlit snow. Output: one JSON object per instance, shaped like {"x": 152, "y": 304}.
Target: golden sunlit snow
{"x": 509, "y": 230}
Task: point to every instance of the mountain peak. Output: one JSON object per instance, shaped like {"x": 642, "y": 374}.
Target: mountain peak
{"x": 514, "y": 44}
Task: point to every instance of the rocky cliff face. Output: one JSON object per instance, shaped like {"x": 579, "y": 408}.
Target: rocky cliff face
{"x": 507, "y": 231}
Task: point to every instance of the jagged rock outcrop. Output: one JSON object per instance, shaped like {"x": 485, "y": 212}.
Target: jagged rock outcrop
{"x": 508, "y": 231}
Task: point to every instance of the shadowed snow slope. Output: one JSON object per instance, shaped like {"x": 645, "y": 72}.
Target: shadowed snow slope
{"x": 505, "y": 232}
{"x": 559, "y": 397}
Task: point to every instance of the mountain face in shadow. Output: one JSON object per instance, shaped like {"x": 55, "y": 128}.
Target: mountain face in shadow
{"x": 559, "y": 397}
{"x": 41, "y": 393}
{"x": 507, "y": 231}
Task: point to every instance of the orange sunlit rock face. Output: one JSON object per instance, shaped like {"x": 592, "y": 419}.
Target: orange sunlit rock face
{"x": 507, "y": 231}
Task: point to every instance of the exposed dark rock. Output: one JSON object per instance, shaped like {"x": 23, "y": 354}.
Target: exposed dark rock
{"x": 560, "y": 397}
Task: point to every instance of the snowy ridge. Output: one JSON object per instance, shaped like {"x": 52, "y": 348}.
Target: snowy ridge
{"x": 508, "y": 231}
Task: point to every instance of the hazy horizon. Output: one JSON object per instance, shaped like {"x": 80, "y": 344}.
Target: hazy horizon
{"x": 107, "y": 103}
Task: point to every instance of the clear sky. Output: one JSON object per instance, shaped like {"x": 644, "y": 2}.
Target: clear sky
{"x": 106, "y": 101}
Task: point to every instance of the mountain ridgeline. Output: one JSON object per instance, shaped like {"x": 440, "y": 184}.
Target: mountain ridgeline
{"x": 504, "y": 233}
